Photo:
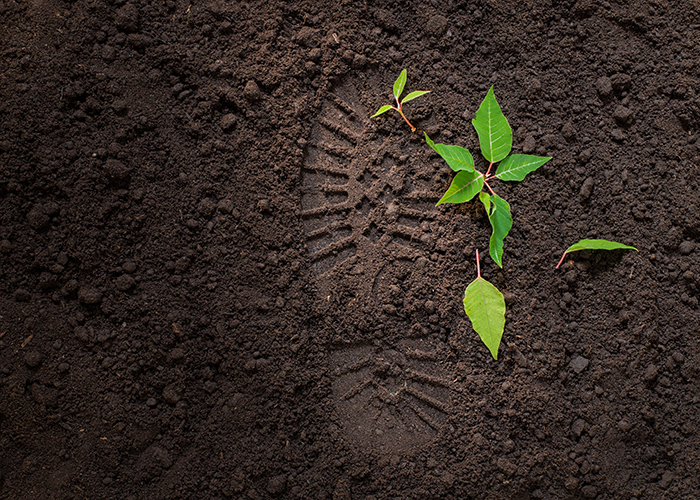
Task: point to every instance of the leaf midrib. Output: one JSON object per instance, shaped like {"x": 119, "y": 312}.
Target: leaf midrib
{"x": 486, "y": 309}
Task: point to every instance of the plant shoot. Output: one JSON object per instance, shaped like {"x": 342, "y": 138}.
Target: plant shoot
{"x": 398, "y": 90}
{"x": 496, "y": 142}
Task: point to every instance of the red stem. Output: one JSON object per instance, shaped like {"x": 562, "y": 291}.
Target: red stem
{"x": 399, "y": 109}
{"x": 478, "y": 265}
{"x": 487, "y": 185}
{"x": 413, "y": 129}
{"x": 489, "y": 170}
{"x": 561, "y": 260}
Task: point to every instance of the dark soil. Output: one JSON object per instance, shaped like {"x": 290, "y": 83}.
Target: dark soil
{"x": 220, "y": 279}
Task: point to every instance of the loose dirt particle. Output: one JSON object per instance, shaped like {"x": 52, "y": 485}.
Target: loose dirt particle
{"x": 228, "y": 122}
{"x": 686, "y": 247}
{"x": 529, "y": 144}
{"x": 623, "y": 115}
{"x": 604, "y": 86}
{"x": 252, "y": 91}
{"x": 651, "y": 372}
{"x": 124, "y": 283}
{"x": 33, "y": 359}
{"x": 587, "y": 188}
{"x": 579, "y": 363}
{"x": 171, "y": 395}
{"x": 89, "y": 295}
{"x": 114, "y": 169}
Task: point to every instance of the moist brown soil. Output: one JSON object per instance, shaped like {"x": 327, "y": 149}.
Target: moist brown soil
{"x": 220, "y": 279}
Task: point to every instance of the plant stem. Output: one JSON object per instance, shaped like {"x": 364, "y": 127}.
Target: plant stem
{"x": 399, "y": 109}
{"x": 478, "y": 265}
{"x": 489, "y": 170}
{"x": 487, "y": 185}
{"x": 413, "y": 129}
{"x": 561, "y": 260}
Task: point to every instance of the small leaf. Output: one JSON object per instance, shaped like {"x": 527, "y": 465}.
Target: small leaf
{"x": 501, "y": 222}
{"x": 399, "y": 84}
{"x": 464, "y": 187}
{"x": 598, "y": 245}
{"x": 486, "y": 200}
{"x": 495, "y": 135}
{"x": 595, "y": 245}
{"x": 486, "y": 309}
{"x": 456, "y": 157}
{"x": 413, "y": 95}
{"x": 516, "y": 167}
{"x": 382, "y": 110}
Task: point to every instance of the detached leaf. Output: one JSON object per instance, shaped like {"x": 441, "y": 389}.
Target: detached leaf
{"x": 501, "y": 222}
{"x": 464, "y": 187}
{"x": 598, "y": 245}
{"x": 456, "y": 157}
{"x": 595, "y": 245}
{"x": 399, "y": 84}
{"x": 382, "y": 110}
{"x": 486, "y": 309}
{"x": 495, "y": 135}
{"x": 516, "y": 167}
{"x": 413, "y": 95}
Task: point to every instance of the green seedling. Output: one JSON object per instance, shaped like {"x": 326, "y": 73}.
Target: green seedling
{"x": 496, "y": 142}
{"x": 398, "y": 90}
{"x": 595, "y": 245}
{"x": 486, "y": 308}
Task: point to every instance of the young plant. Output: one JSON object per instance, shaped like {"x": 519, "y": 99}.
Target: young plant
{"x": 595, "y": 245}
{"x": 486, "y": 308}
{"x": 496, "y": 142}
{"x": 398, "y": 90}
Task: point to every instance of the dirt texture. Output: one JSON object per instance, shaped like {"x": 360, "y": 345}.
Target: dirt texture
{"x": 220, "y": 279}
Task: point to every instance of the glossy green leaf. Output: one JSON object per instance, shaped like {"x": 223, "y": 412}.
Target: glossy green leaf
{"x": 399, "y": 84}
{"x": 382, "y": 110}
{"x": 456, "y": 157}
{"x": 413, "y": 95}
{"x": 495, "y": 135}
{"x": 595, "y": 245}
{"x": 501, "y": 222}
{"x": 486, "y": 309}
{"x": 516, "y": 167}
{"x": 464, "y": 187}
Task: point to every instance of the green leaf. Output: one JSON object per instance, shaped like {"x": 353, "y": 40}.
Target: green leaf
{"x": 464, "y": 187}
{"x": 516, "y": 167}
{"x": 486, "y": 200}
{"x": 495, "y": 135}
{"x": 399, "y": 84}
{"x": 598, "y": 245}
{"x": 501, "y": 222}
{"x": 382, "y": 110}
{"x": 486, "y": 309}
{"x": 413, "y": 95}
{"x": 595, "y": 245}
{"x": 456, "y": 157}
